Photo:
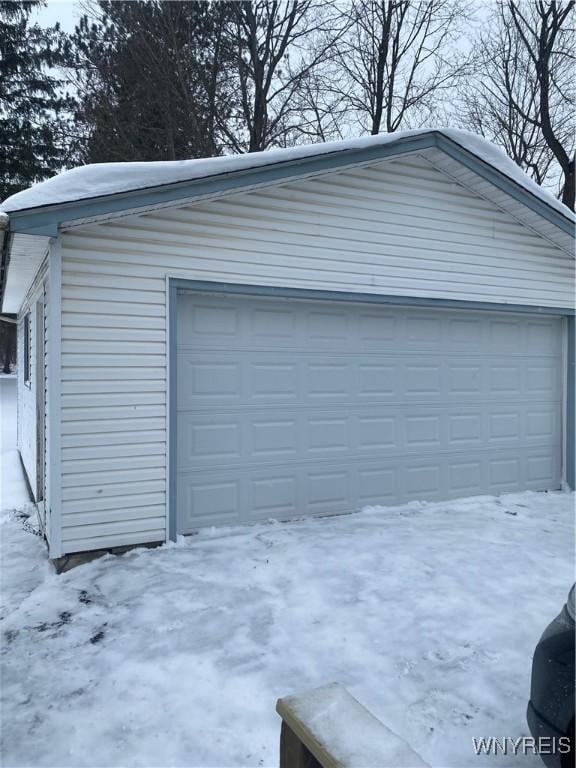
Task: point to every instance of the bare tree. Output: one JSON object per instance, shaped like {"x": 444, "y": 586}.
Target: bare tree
{"x": 488, "y": 101}
{"x": 547, "y": 31}
{"x": 279, "y": 45}
{"x": 523, "y": 97}
{"x": 397, "y": 60}
{"x": 322, "y": 116}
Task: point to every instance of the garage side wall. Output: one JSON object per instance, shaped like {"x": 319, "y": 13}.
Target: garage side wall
{"x": 399, "y": 228}
{"x": 28, "y": 390}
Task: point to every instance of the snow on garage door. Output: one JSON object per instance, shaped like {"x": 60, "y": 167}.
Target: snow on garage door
{"x": 291, "y": 407}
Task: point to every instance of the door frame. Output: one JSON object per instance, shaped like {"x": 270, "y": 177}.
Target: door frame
{"x": 40, "y": 398}
{"x": 176, "y": 285}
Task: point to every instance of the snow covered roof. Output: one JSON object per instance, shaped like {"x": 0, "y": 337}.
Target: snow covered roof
{"x": 104, "y": 179}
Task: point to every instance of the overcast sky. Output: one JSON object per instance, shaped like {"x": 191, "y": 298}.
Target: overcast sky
{"x": 67, "y": 12}
{"x": 64, "y": 11}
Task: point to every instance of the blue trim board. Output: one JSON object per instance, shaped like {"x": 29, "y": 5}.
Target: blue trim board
{"x": 6, "y": 238}
{"x": 172, "y": 416}
{"x": 571, "y": 405}
{"x": 182, "y": 285}
{"x": 46, "y": 220}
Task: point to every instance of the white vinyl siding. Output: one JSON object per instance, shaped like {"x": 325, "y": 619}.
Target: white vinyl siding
{"x": 400, "y": 228}
{"x": 468, "y": 178}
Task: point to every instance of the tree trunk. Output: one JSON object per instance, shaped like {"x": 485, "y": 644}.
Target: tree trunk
{"x": 569, "y": 191}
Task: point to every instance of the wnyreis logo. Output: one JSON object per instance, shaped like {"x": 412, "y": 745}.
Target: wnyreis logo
{"x": 524, "y": 745}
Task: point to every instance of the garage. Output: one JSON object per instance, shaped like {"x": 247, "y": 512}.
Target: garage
{"x": 293, "y": 407}
{"x": 289, "y": 334}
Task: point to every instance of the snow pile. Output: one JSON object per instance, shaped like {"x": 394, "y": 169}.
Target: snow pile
{"x": 13, "y": 488}
{"x": 427, "y": 613}
{"x": 101, "y": 179}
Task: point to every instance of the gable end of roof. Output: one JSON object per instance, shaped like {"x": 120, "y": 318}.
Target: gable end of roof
{"x": 46, "y": 220}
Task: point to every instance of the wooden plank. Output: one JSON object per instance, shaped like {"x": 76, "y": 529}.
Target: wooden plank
{"x": 340, "y": 733}
{"x": 293, "y": 754}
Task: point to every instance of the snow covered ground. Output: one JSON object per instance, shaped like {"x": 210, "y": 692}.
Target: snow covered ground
{"x": 427, "y": 613}
{"x": 13, "y": 490}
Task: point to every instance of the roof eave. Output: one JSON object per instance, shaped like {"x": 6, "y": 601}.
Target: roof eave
{"x": 48, "y": 219}
{"x": 505, "y": 183}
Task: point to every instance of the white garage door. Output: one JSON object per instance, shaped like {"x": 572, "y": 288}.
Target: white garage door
{"x": 290, "y": 407}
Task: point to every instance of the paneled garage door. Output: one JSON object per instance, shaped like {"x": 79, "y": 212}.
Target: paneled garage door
{"x": 290, "y": 407}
